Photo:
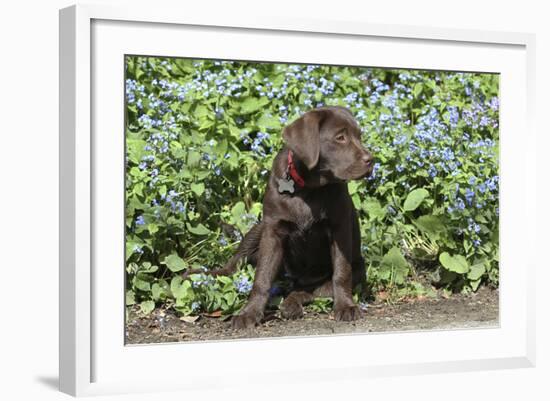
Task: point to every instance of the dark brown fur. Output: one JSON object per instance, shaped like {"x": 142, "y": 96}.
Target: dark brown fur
{"x": 312, "y": 235}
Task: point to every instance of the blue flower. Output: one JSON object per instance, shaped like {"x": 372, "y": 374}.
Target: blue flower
{"x": 494, "y": 103}
{"x": 243, "y": 285}
{"x": 140, "y": 221}
{"x": 469, "y": 196}
{"x": 374, "y": 171}
{"x": 399, "y": 140}
{"x": 453, "y": 116}
{"x": 473, "y": 226}
{"x": 460, "y": 204}
{"x": 492, "y": 183}
{"x": 262, "y": 136}
{"x": 374, "y": 97}
{"x": 351, "y": 98}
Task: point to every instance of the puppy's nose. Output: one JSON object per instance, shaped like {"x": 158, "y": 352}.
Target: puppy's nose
{"x": 367, "y": 158}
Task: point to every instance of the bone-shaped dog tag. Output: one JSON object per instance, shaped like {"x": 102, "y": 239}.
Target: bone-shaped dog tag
{"x": 285, "y": 185}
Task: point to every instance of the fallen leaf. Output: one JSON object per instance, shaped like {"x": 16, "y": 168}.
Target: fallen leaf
{"x": 189, "y": 319}
{"x": 216, "y": 313}
{"x": 382, "y": 295}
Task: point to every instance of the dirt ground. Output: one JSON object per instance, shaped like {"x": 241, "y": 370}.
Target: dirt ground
{"x": 458, "y": 311}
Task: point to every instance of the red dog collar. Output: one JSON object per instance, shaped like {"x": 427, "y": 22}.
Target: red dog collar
{"x": 291, "y": 168}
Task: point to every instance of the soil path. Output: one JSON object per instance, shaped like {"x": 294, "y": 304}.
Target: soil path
{"x": 459, "y": 311}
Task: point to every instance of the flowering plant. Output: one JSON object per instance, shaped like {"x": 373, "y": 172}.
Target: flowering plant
{"x": 201, "y": 136}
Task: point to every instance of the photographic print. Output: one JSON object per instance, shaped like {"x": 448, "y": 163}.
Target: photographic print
{"x": 269, "y": 199}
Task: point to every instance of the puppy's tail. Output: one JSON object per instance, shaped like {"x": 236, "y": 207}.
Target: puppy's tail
{"x": 248, "y": 249}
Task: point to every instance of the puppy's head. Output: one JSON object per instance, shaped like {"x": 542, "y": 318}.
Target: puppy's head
{"x": 328, "y": 140}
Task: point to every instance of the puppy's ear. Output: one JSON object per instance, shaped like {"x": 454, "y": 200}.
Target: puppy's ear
{"x": 302, "y": 137}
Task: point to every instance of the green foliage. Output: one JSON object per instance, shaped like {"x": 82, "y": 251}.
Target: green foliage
{"x": 200, "y": 139}
{"x": 414, "y": 199}
{"x": 321, "y": 305}
{"x": 457, "y": 263}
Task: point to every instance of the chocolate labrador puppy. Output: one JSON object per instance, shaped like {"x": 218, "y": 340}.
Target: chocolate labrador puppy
{"x": 309, "y": 230}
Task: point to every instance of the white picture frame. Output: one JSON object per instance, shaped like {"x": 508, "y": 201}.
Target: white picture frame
{"x": 93, "y": 358}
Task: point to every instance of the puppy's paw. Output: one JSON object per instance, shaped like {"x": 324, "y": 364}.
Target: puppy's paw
{"x": 246, "y": 320}
{"x": 292, "y": 310}
{"x": 347, "y": 313}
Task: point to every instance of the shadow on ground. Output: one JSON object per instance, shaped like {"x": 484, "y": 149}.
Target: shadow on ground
{"x": 49, "y": 381}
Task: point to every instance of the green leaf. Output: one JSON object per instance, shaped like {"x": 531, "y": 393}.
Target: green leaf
{"x": 201, "y": 111}
{"x": 457, "y": 263}
{"x": 475, "y": 284}
{"x": 131, "y": 248}
{"x": 180, "y": 288}
{"x": 156, "y": 291}
{"x": 141, "y": 284}
{"x": 193, "y": 158}
{"x": 138, "y": 188}
{"x": 417, "y": 90}
{"x": 147, "y": 267}
{"x": 252, "y": 104}
{"x": 174, "y": 263}
{"x": 374, "y": 209}
{"x": 230, "y": 297}
{"x": 135, "y": 149}
{"x": 130, "y": 298}
{"x": 238, "y": 210}
{"x": 394, "y": 258}
{"x": 221, "y": 148}
{"x": 476, "y": 271}
{"x": 225, "y": 280}
{"x": 384, "y": 272}
{"x": 415, "y": 198}
{"x": 147, "y": 307}
{"x": 397, "y": 267}
{"x": 431, "y": 224}
{"x": 198, "y": 230}
{"x": 152, "y": 228}
{"x": 352, "y": 187}
{"x": 197, "y": 188}
{"x": 268, "y": 121}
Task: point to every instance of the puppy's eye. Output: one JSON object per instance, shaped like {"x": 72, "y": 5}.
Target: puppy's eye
{"x": 341, "y": 138}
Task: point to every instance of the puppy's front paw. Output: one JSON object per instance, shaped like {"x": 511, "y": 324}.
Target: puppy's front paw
{"x": 246, "y": 320}
{"x": 347, "y": 313}
{"x": 291, "y": 310}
